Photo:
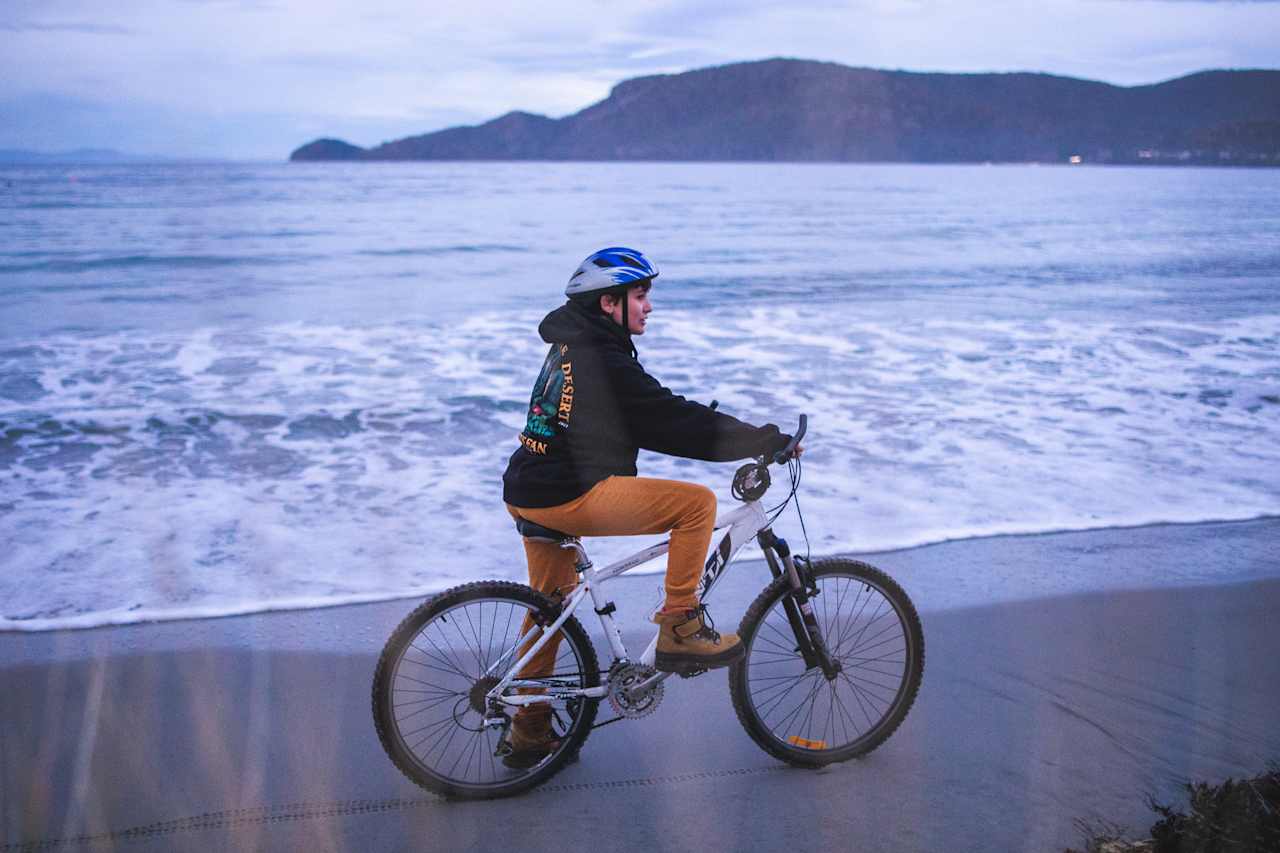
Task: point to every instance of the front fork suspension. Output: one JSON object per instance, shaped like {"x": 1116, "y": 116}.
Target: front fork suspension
{"x": 804, "y": 625}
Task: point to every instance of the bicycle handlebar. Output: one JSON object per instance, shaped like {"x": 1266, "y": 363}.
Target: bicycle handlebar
{"x": 785, "y": 453}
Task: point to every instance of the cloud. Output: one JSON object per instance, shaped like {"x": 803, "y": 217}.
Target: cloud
{"x": 50, "y": 122}
{"x": 236, "y": 4}
{"x": 65, "y": 27}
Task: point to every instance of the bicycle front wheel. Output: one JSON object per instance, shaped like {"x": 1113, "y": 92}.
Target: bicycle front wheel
{"x": 872, "y": 632}
{"x": 431, "y": 681}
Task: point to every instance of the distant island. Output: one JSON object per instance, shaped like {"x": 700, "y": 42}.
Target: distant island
{"x": 804, "y": 111}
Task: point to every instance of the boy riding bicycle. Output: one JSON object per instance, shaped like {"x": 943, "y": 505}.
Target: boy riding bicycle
{"x": 593, "y": 407}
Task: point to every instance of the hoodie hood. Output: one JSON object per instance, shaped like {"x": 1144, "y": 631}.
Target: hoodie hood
{"x": 573, "y": 324}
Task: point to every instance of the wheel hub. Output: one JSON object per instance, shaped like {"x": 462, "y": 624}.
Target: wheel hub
{"x": 479, "y": 691}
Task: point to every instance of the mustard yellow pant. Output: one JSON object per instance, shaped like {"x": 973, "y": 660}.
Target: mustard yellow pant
{"x": 621, "y": 506}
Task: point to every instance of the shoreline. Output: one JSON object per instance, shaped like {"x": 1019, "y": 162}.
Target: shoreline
{"x": 16, "y": 627}
{"x": 1061, "y": 530}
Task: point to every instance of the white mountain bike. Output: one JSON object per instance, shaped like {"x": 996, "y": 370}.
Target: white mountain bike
{"x": 833, "y": 659}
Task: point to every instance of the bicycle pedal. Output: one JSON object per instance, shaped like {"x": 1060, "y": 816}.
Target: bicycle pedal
{"x": 691, "y": 671}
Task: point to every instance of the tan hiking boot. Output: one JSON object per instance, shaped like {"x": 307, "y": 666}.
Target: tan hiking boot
{"x": 531, "y": 738}
{"x": 688, "y": 640}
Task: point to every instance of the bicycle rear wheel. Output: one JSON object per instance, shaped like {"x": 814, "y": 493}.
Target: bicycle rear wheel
{"x": 871, "y": 629}
{"x": 430, "y": 683}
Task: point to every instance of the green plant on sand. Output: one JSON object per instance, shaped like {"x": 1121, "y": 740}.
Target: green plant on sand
{"x": 1231, "y": 817}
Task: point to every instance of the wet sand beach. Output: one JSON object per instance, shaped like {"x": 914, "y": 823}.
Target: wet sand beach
{"x": 254, "y": 732}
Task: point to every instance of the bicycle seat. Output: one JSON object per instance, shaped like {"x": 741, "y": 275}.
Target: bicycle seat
{"x": 539, "y": 533}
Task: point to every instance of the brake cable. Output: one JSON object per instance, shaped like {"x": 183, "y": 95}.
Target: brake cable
{"x": 795, "y": 470}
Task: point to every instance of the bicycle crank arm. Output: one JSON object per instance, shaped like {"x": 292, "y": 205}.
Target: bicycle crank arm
{"x": 639, "y": 689}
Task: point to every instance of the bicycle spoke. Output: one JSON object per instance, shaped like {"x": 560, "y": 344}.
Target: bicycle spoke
{"x": 448, "y": 652}
{"x": 506, "y": 631}
{"x": 867, "y": 626}
{"x": 457, "y": 626}
{"x": 442, "y": 659}
{"x": 846, "y": 719}
{"x": 488, "y": 644}
{"x": 864, "y": 656}
{"x": 471, "y": 625}
{"x": 432, "y": 728}
{"x": 777, "y": 699}
{"x": 858, "y": 697}
{"x": 779, "y": 693}
{"x": 862, "y": 599}
{"x": 808, "y": 718}
{"x": 432, "y": 704}
{"x": 756, "y": 680}
{"x": 847, "y": 632}
{"x": 892, "y": 628}
{"x": 788, "y": 644}
{"x": 463, "y": 752}
{"x": 867, "y": 683}
{"x": 792, "y": 714}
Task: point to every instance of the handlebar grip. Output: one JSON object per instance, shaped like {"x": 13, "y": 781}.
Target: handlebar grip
{"x": 785, "y": 453}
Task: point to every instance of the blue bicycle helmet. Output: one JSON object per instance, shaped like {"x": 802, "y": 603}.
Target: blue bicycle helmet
{"x": 610, "y": 269}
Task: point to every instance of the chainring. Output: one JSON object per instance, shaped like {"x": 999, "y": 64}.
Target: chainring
{"x": 623, "y": 677}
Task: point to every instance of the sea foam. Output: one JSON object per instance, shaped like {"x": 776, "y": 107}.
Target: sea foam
{"x": 221, "y": 471}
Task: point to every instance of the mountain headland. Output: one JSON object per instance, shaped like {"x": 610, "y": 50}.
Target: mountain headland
{"x": 800, "y": 110}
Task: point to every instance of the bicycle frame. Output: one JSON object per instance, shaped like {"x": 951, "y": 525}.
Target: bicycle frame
{"x": 743, "y": 523}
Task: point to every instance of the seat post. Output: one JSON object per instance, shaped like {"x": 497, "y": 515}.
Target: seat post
{"x": 575, "y": 544}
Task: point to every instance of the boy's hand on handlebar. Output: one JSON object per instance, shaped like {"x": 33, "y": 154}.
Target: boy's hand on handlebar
{"x": 792, "y": 450}
{"x": 794, "y": 454}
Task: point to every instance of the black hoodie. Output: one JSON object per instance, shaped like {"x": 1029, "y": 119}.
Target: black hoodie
{"x": 594, "y": 407}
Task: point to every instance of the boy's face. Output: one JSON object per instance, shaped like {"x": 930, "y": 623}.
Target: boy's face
{"x": 637, "y": 310}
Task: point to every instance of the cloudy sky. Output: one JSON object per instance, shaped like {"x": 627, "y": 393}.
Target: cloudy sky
{"x": 256, "y": 78}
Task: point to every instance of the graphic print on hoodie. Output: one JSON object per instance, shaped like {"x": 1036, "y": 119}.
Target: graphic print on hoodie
{"x": 551, "y": 402}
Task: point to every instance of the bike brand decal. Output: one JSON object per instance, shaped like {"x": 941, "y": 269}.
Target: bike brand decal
{"x": 715, "y": 565}
{"x": 803, "y": 743}
{"x": 643, "y": 557}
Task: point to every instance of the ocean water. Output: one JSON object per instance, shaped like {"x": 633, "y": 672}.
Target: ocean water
{"x": 227, "y": 388}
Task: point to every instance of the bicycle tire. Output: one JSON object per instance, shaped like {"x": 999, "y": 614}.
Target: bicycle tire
{"x": 882, "y": 659}
{"x": 426, "y": 680}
